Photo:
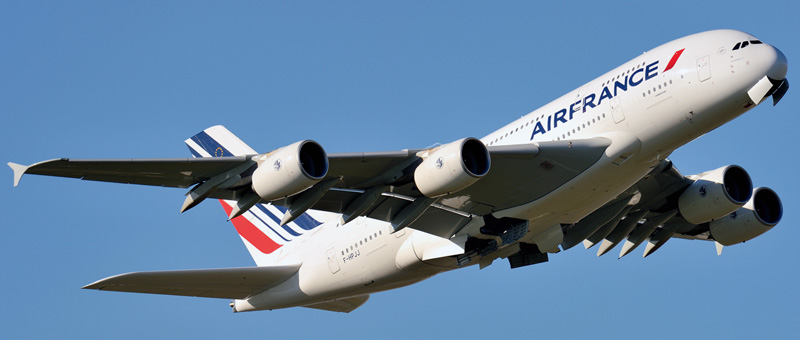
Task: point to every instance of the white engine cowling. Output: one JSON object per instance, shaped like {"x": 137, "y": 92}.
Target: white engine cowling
{"x": 715, "y": 194}
{"x": 452, "y": 167}
{"x": 758, "y": 216}
{"x": 289, "y": 170}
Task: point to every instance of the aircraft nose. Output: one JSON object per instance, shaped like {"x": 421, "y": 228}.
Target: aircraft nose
{"x": 779, "y": 64}
{"x": 772, "y": 67}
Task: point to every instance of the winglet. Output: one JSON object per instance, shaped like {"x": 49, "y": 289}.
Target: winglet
{"x": 19, "y": 170}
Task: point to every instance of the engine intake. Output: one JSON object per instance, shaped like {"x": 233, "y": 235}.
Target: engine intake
{"x": 289, "y": 170}
{"x": 715, "y": 194}
{"x": 452, "y": 167}
{"x": 756, "y": 217}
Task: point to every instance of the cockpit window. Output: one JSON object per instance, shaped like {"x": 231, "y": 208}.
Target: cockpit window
{"x": 744, "y": 44}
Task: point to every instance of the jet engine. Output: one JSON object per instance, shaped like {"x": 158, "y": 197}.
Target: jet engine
{"x": 289, "y": 170}
{"x": 760, "y": 214}
{"x": 715, "y": 194}
{"x": 452, "y": 167}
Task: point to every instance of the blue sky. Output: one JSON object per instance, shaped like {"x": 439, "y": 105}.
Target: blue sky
{"x": 134, "y": 79}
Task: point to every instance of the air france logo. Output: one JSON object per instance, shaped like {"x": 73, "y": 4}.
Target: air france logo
{"x": 608, "y": 92}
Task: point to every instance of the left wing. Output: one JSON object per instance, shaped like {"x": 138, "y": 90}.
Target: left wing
{"x": 719, "y": 205}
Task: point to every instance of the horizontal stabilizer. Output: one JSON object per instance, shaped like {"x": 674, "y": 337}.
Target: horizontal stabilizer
{"x": 226, "y": 283}
{"x": 344, "y": 305}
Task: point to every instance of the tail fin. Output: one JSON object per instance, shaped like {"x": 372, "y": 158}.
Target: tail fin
{"x": 259, "y": 227}
{"x": 217, "y": 141}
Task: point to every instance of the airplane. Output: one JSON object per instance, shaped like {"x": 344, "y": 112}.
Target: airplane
{"x": 591, "y": 168}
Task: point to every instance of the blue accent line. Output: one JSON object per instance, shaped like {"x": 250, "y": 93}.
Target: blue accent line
{"x": 307, "y": 222}
{"x": 267, "y": 225}
{"x": 277, "y": 220}
{"x": 304, "y": 221}
{"x": 214, "y": 148}
{"x": 272, "y": 216}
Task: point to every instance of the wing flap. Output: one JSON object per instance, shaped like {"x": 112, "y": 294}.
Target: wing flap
{"x": 225, "y": 283}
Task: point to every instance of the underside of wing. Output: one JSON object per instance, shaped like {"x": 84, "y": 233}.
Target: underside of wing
{"x": 227, "y": 283}
{"x": 519, "y": 174}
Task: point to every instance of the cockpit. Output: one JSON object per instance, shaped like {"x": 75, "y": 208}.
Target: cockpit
{"x": 744, "y": 44}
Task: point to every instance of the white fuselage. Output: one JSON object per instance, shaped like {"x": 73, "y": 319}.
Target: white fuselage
{"x": 647, "y": 107}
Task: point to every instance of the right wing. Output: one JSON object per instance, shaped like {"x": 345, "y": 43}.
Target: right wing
{"x": 170, "y": 172}
{"x": 378, "y": 185}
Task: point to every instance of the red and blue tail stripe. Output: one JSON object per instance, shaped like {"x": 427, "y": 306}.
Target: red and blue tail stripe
{"x": 259, "y": 227}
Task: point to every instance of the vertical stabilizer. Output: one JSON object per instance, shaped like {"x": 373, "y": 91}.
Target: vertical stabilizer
{"x": 260, "y": 227}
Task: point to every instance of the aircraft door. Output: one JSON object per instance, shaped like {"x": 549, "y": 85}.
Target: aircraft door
{"x": 616, "y": 111}
{"x": 332, "y": 260}
{"x": 704, "y": 68}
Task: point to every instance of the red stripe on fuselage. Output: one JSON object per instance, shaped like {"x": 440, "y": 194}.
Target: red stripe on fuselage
{"x": 251, "y": 233}
{"x": 673, "y": 60}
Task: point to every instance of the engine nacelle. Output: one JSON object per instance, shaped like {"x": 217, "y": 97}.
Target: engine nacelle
{"x": 289, "y": 170}
{"x": 452, "y": 167}
{"x": 758, "y": 216}
{"x": 715, "y": 194}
